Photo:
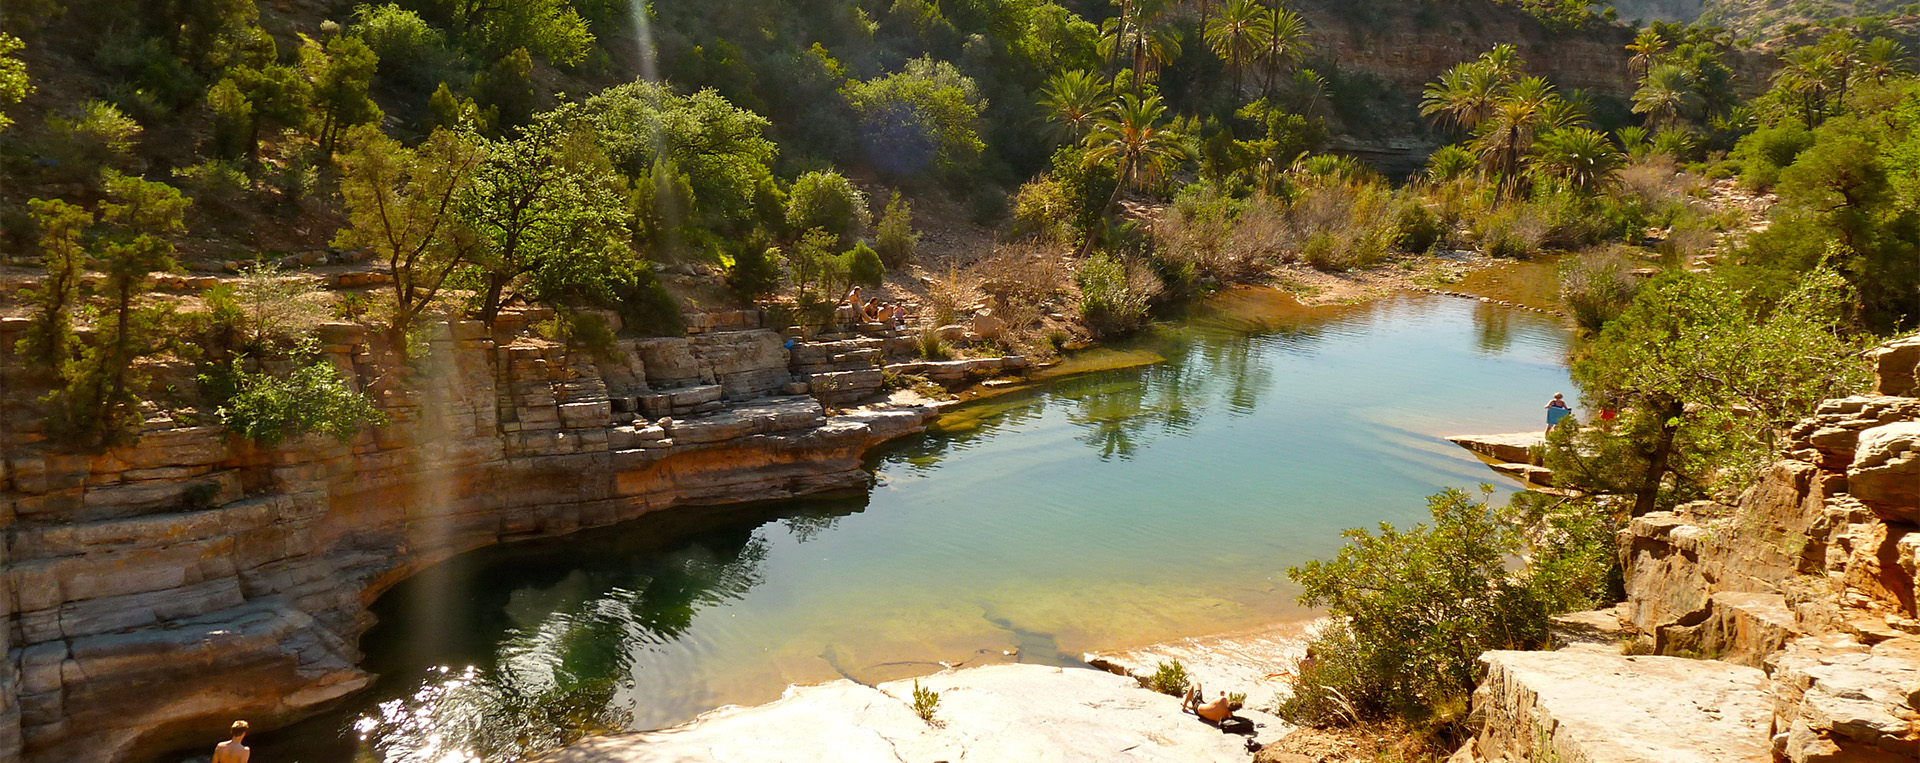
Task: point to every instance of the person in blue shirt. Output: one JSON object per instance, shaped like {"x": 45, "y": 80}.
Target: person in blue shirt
{"x": 1557, "y": 409}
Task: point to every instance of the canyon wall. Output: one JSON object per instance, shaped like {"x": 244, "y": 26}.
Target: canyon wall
{"x": 1781, "y": 627}
{"x": 157, "y": 591}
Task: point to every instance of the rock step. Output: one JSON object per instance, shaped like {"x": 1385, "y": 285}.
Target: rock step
{"x": 808, "y": 353}
{"x": 948, "y": 371}
{"x": 1509, "y": 448}
{"x": 1593, "y": 707}
{"x": 783, "y": 414}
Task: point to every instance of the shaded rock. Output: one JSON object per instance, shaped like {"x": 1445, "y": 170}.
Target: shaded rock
{"x": 1897, "y": 367}
{"x": 1885, "y": 474}
{"x": 1588, "y": 706}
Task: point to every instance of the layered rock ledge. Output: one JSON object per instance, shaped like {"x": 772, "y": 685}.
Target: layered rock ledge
{"x": 156, "y": 591}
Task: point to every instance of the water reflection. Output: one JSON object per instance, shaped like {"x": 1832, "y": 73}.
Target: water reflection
{"x": 1157, "y": 498}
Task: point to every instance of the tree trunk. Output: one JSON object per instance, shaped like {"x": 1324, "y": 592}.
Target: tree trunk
{"x": 1670, "y": 413}
{"x": 490, "y": 309}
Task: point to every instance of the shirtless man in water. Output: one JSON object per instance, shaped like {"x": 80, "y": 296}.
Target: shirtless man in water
{"x": 233, "y": 750}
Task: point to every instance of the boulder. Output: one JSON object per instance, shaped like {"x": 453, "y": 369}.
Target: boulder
{"x": 1885, "y": 474}
{"x": 1589, "y": 706}
{"x": 1836, "y": 699}
{"x": 1897, "y": 367}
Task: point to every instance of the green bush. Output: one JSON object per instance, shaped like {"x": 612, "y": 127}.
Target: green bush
{"x": 827, "y": 201}
{"x": 895, "y": 238}
{"x": 268, "y": 409}
{"x": 1596, "y": 286}
{"x": 1768, "y": 150}
{"x": 1170, "y": 678}
{"x": 864, "y": 266}
{"x": 1041, "y": 209}
{"x": 1417, "y": 228}
{"x": 1414, "y": 609}
{"x": 1112, "y": 299}
{"x": 647, "y": 308}
{"x": 755, "y": 272}
{"x": 1514, "y": 231}
{"x": 929, "y": 345}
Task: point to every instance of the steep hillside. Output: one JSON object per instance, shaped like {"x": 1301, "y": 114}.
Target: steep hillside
{"x": 1764, "y": 20}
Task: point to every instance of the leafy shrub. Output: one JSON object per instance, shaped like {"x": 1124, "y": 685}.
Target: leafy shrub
{"x": 1449, "y": 163}
{"x": 1417, "y": 228}
{"x": 895, "y": 238}
{"x": 1114, "y": 297}
{"x": 864, "y": 266}
{"x": 1514, "y": 231}
{"x": 1169, "y": 678}
{"x": 926, "y": 702}
{"x": 1596, "y": 285}
{"x": 1414, "y": 609}
{"x": 1342, "y": 225}
{"x": 1042, "y": 209}
{"x": 97, "y": 137}
{"x": 827, "y": 201}
{"x": 314, "y": 398}
{"x": 647, "y": 308}
{"x": 1768, "y": 150}
{"x": 755, "y": 272}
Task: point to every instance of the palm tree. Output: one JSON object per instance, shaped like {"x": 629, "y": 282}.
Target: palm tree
{"x": 1131, "y": 136}
{"x": 1505, "y": 139}
{"x": 1664, "y": 95}
{"x": 1505, "y": 60}
{"x": 1562, "y": 112}
{"x": 1142, "y": 35}
{"x": 1646, "y": 46}
{"x": 1074, "y": 101}
{"x": 1283, "y": 42}
{"x": 1880, "y": 60}
{"x": 1234, "y": 37}
{"x": 1464, "y": 95}
{"x": 1582, "y": 157}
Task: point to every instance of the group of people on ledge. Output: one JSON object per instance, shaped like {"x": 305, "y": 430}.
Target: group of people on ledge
{"x": 873, "y": 310}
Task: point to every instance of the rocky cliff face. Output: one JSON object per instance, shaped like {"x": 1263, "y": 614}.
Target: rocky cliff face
{"x": 156, "y": 591}
{"x": 1799, "y": 599}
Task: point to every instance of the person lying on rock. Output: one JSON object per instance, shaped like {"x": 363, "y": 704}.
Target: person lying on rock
{"x": 1218, "y": 713}
{"x": 233, "y": 750}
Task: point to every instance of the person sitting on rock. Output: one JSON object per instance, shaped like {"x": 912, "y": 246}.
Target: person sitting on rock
{"x": 233, "y": 750}
{"x": 853, "y": 298}
{"x": 872, "y": 311}
{"x": 899, "y": 314}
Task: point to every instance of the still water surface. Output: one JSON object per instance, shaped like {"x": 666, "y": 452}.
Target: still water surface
{"x": 1163, "y": 496}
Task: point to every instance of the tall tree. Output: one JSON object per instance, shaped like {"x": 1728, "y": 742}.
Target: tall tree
{"x": 401, "y": 204}
{"x": 1284, "y": 42}
{"x": 1235, "y": 36}
{"x": 550, "y": 214}
{"x": 1665, "y": 96}
{"x": 1074, "y": 102}
{"x": 63, "y": 252}
{"x": 14, "y": 85}
{"x": 1646, "y": 47}
{"x": 339, "y": 74}
{"x": 1132, "y": 137}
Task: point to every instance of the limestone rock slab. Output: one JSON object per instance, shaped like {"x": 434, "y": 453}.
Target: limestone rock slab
{"x": 999, "y": 713}
{"x": 1589, "y": 707}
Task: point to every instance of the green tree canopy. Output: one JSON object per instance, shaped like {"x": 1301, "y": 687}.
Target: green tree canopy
{"x": 925, "y": 117}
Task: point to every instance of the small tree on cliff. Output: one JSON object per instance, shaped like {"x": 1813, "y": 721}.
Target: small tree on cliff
{"x": 549, "y": 212}
{"x": 400, "y": 205}
{"x": 1707, "y": 376}
{"x": 95, "y": 404}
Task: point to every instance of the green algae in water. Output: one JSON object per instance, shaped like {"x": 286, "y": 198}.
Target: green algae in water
{"x": 1104, "y": 509}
